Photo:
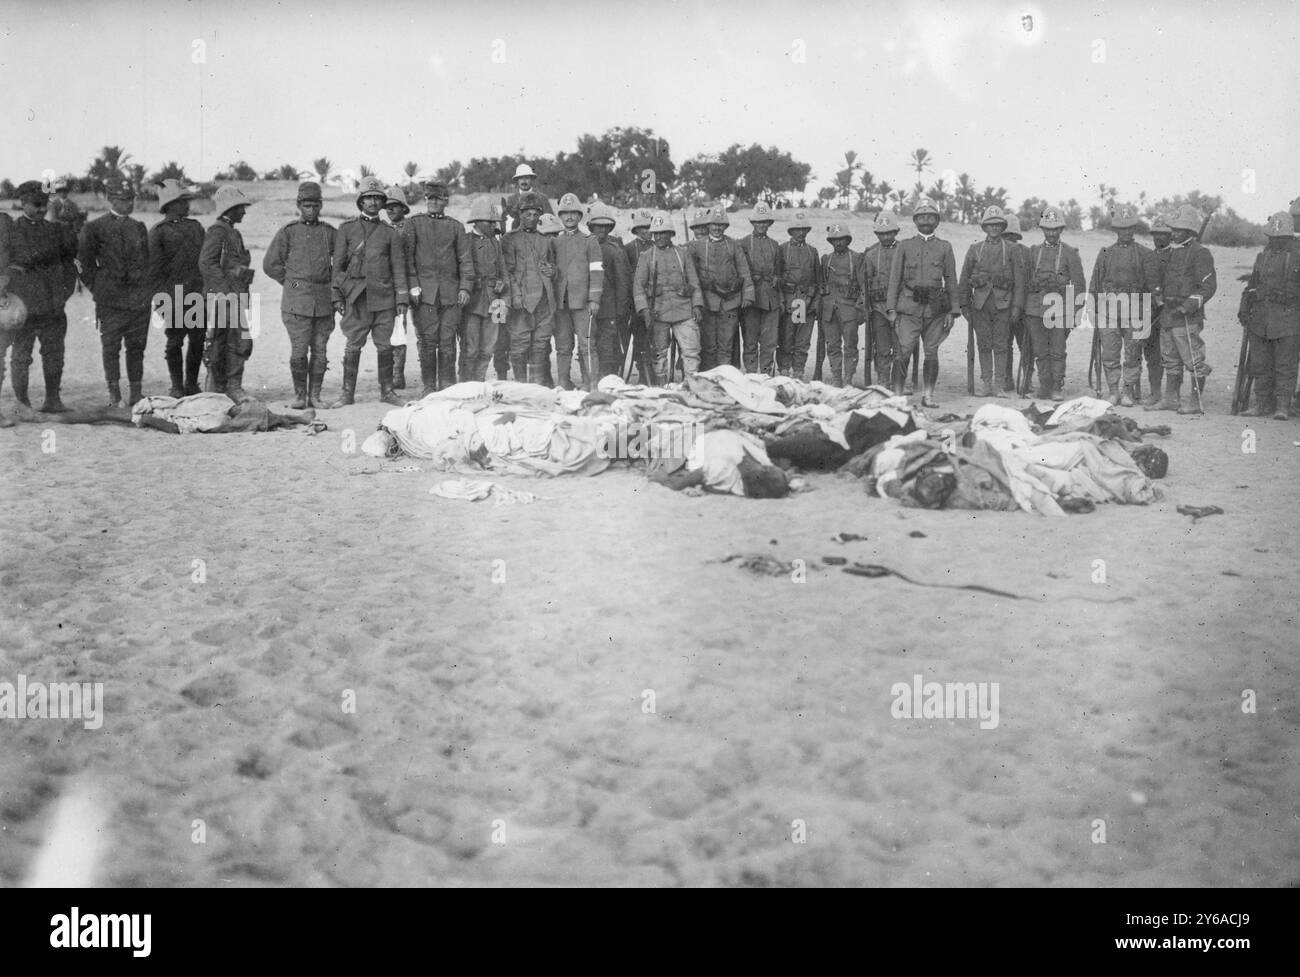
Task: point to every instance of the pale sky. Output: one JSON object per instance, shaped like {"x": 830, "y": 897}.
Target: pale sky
{"x": 1165, "y": 96}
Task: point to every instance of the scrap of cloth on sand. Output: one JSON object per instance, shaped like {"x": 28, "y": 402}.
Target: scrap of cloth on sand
{"x": 721, "y": 420}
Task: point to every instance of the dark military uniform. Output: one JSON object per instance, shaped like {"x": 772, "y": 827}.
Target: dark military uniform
{"x": 579, "y": 279}
{"x": 841, "y": 311}
{"x": 1120, "y": 272}
{"x": 762, "y": 320}
{"x": 1019, "y": 331}
{"x": 529, "y": 258}
{"x": 667, "y": 284}
{"x": 1050, "y": 271}
{"x": 1157, "y": 262}
{"x": 615, "y": 297}
{"x": 1189, "y": 282}
{"x": 923, "y": 290}
{"x": 300, "y": 259}
{"x": 438, "y": 263}
{"x": 800, "y": 281}
{"x": 1270, "y": 310}
{"x": 224, "y": 264}
{"x": 725, "y": 280}
{"x": 174, "y": 246}
{"x": 510, "y": 206}
{"x": 412, "y": 334}
{"x": 481, "y": 326}
{"x": 43, "y": 273}
{"x": 631, "y": 328}
{"x": 114, "y": 258}
{"x": 877, "y": 261}
{"x": 992, "y": 294}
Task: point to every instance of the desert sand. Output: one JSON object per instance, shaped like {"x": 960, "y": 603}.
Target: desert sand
{"x": 503, "y": 659}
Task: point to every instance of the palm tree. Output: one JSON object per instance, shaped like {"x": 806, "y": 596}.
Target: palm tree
{"x": 965, "y": 197}
{"x": 867, "y": 189}
{"x": 844, "y": 178}
{"x": 108, "y": 163}
{"x": 920, "y": 160}
{"x": 410, "y": 169}
{"x": 883, "y": 191}
{"x": 452, "y": 175}
{"x": 322, "y": 166}
{"x": 366, "y": 171}
{"x": 939, "y": 194}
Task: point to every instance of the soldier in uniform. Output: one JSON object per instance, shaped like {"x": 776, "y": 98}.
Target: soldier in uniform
{"x": 842, "y": 304}
{"x": 397, "y": 207}
{"x": 666, "y": 291}
{"x": 1052, "y": 268}
{"x": 441, "y": 272}
{"x": 923, "y": 296}
{"x": 1158, "y": 261}
{"x": 174, "y": 246}
{"x": 1189, "y": 282}
{"x": 12, "y": 314}
{"x": 723, "y": 272}
{"x": 1012, "y": 236}
{"x": 1270, "y": 310}
{"x": 1121, "y": 270}
{"x": 64, "y": 210}
{"x": 224, "y": 264}
{"x": 370, "y": 289}
{"x": 890, "y": 361}
{"x": 299, "y": 258}
{"x": 525, "y": 185}
{"x": 488, "y": 307}
{"x": 615, "y": 294}
{"x": 43, "y": 274}
{"x": 631, "y": 329}
{"x": 761, "y": 322}
{"x": 578, "y": 284}
{"x": 530, "y": 268}
{"x": 992, "y": 294}
{"x": 800, "y": 278}
{"x": 114, "y": 257}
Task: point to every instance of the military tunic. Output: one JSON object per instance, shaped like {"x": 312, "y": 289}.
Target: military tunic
{"x": 1188, "y": 283}
{"x": 992, "y": 294}
{"x": 667, "y": 285}
{"x": 1122, "y": 296}
{"x": 174, "y": 246}
{"x": 579, "y": 278}
{"x": 438, "y": 263}
{"x": 1054, "y": 280}
{"x": 224, "y": 264}
{"x": 529, "y": 258}
{"x": 877, "y": 261}
{"x": 300, "y": 258}
{"x": 841, "y": 311}
{"x": 615, "y": 298}
{"x": 489, "y": 284}
{"x": 800, "y": 278}
{"x": 723, "y": 271}
{"x": 761, "y": 327}
{"x": 42, "y": 272}
{"x": 370, "y": 280}
{"x": 923, "y": 290}
{"x": 1270, "y": 310}
{"x": 114, "y": 259}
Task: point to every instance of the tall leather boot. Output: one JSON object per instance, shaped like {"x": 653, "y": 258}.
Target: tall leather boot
{"x": 386, "y": 394}
{"x": 299, "y": 374}
{"x": 1283, "y": 411}
{"x": 193, "y": 364}
{"x": 351, "y": 363}
{"x": 114, "y": 393}
{"x": 428, "y": 372}
{"x": 446, "y": 369}
{"x": 20, "y": 386}
{"x": 53, "y": 380}
{"x": 314, "y": 398}
{"x": 1000, "y": 358}
{"x": 930, "y": 380}
{"x": 399, "y": 367}
{"x": 1172, "y": 399}
{"x": 176, "y": 371}
{"x": 897, "y": 378}
{"x": 1154, "y": 397}
{"x": 135, "y": 395}
{"x": 1113, "y": 388}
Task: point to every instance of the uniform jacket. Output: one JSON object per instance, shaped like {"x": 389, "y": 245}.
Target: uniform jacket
{"x": 65, "y": 211}
{"x": 579, "y": 274}
{"x": 841, "y": 283}
{"x": 1270, "y": 305}
{"x": 877, "y": 261}
{"x": 1190, "y": 272}
{"x": 1121, "y": 268}
{"x": 369, "y": 260}
{"x": 764, "y": 257}
{"x": 223, "y": 259}
{"x": 438, "y": 258}
{"x": 300, "y": 258}
{"x": 634, "y": 249}
{"x": 174, "y": 246}
{"x": 41, "y": 264}
{"x": 800, "y": 275}
{"x": 616, "y": 292}
{"x": 662, "y": 276}
{"x": 510, "y": 207}
{"x": 523, "y": 253}
{"x": 114, "y": 259}
{"x": 723, "y": 271}
{"x": 1049, "y": 271}
{"x": 992, "y": 271}
{"x": 488, "y": 266}
{"x": 923, "y": 264}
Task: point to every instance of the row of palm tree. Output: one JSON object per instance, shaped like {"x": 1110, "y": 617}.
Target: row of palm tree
{"x": 962, "y": 200}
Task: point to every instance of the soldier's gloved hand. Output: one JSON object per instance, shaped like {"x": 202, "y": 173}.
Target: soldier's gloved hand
{"x": 462, "y": 298}
{"x": 339, "y": 307}
{"x": 401, "y": 308}
{"x": 545, "y": 268}
{"x": 697, "y": 312}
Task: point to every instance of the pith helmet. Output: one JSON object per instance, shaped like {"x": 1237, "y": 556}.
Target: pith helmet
{"x": 569, "y": 203}
{"x": 13, "y": 311}
{"x": 549, "y": 224}
{"x": 662, "y": 223}
{"x": 481, "y": 210}
{"x": 925, "y": 207}
{"x": 1051, "y": 220}
{"x": 993, "y": 215}
{"x": 1013, "y": 227}
{"x": 700, "y": 218}
{"x": 1280, "y": 225}
{"x": 600, "y": 214}
{"x": 308, "y": 191}
{"x": 885, "y": 222}
{"x": 1124, "y": 217}
{"x": 396, "y": 195}
{"x": 370, "y": 186}
{"x": 799, "y": 221}
{"x": 1161, "y": 225}
{"x": 762, "y": 212}
{"x": 173, "y": 190}
{"x": 836, "y": 231}
{"x": 523, "y": 169}
{"x": 1188, "y": 218}
{"x": 718, "y": 215}
{"x": 531, "y": 201}
{"x": 229, "y": 197}
{"x": 641, "y": 218}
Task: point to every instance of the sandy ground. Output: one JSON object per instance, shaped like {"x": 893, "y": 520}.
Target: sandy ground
{"x": 503, "y": 661}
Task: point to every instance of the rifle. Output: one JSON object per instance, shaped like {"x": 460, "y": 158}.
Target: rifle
{"x": 1191, "y": 350}
{"x": 650, "y": 307}
{"x": 869, "y": 353}
{"x": 1025, "y": 375}
{"x": 970, "y": 358}
{"x": 1241, "y": 392}
{"x": 1095, "y": 371}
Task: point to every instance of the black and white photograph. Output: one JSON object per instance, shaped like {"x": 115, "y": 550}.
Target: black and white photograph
{"x": 578, "y": 444}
